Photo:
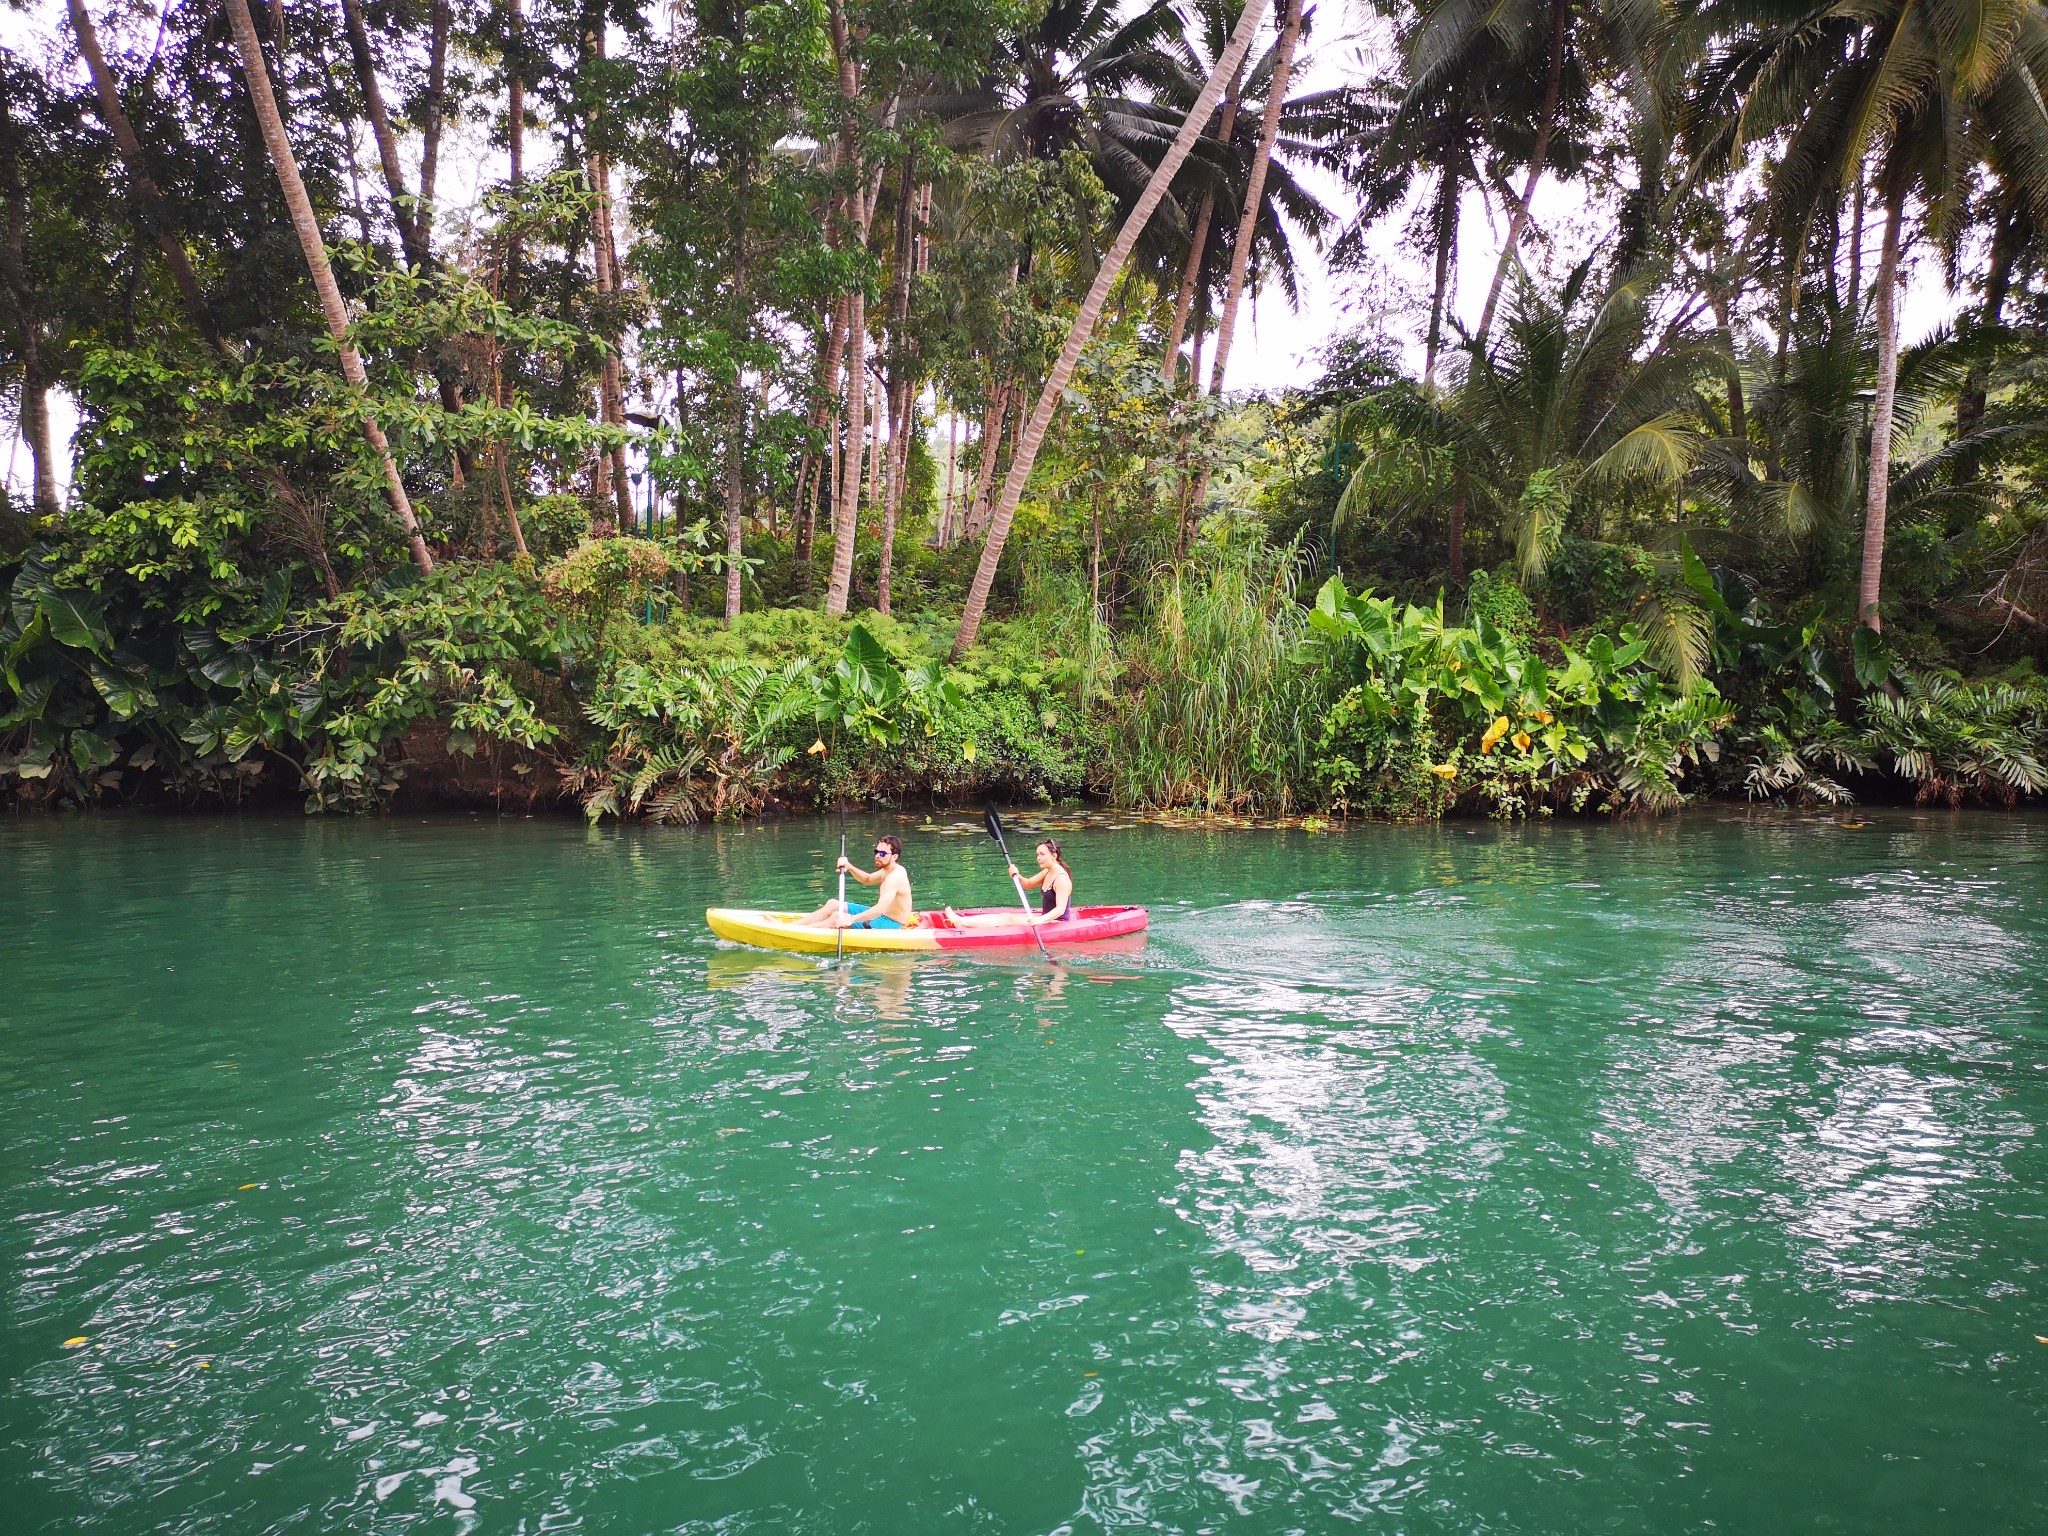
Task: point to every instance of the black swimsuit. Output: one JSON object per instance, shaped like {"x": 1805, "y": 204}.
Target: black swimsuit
{"x": 1052, "y": 899}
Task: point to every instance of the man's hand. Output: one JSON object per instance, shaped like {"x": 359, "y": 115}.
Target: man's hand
{"x": 845, "y": 864}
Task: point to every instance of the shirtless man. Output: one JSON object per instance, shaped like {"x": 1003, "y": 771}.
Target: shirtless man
{"x": 892, "y": 907}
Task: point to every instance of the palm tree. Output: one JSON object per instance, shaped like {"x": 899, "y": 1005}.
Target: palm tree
{"x": 1391, "y": 138}
{"x": 1573, "y": 403}
{"x": 1915, "y": 91}
{"x": 1069, "y": 80}
{"x": 307, "y": 226}
{"x": 1106, "y": 275}
{"x": 1509, "y": 43}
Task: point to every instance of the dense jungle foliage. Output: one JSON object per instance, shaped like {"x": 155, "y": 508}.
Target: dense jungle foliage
{"x": 808, "y": 400}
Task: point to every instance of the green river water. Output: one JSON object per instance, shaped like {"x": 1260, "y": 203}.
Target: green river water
{"x": 448, "y": 1176}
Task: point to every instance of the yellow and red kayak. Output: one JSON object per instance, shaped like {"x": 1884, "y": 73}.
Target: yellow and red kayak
{"x": 779, "y": 930}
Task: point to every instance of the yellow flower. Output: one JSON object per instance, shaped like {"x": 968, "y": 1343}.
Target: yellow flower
{"x": 1521, "y": 741}
{"x": 816, "y": 748}
{"x": 1494, "y": 732}
{"x": 1444, "y": 770}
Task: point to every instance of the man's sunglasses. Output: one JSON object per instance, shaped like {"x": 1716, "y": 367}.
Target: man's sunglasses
{"x": 885, "y": 853}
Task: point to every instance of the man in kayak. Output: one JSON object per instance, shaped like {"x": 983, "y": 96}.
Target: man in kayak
{"x": 892, "y": 907}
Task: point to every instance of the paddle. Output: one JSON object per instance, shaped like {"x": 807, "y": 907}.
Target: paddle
{"x": 842, "y": 887}
{"x": 994, "y": 823}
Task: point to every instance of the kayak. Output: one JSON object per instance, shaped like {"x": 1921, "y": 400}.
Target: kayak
{"x": 933, "y": 933}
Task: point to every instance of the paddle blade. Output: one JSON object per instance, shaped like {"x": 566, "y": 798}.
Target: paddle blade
{"x": 993, "y": 823}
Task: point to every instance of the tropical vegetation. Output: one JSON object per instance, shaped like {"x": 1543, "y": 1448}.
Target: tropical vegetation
{"x": 700, "y": 410}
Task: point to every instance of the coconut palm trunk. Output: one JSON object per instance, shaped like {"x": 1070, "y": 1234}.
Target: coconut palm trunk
{"x": 146, "y": 193}
{"x": 1546, "y": 124}
{"x": 1444, "y": 235}
{"x": 1255, "y": 192}
{"x": 1884, "y": 293}
{"x": 1198, "y": 244}
{"x": 846, "y": 519}
{"x": 1106, "y": 275}
{"x": 308, "y": 229}
{"x": 381, "y": 132}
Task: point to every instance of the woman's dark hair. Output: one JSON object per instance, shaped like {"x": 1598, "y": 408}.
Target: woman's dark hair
{"x": 1046, "y": 842}
{"x": 893, "y": 843}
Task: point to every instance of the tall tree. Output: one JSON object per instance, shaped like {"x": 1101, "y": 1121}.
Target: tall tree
{"x": 1916, "y": 89}
{"x": 149, "y": 199}
{"x": 1090, "y": 312}
{"x": 1255, "y": 191}
{"x": 307, "y": 226}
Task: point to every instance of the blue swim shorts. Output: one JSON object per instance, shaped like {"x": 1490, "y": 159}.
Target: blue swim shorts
{"x": 881, "y": 922}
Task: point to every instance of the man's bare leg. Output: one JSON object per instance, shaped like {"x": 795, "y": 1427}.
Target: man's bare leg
{"x": 826, "y": 916}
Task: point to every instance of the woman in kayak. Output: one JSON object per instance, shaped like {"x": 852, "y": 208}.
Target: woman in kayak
{"x": 1053, "y": 877}
{"x": 892, "y": 907}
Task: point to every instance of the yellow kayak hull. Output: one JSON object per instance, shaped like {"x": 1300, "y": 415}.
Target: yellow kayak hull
{"x": 779, "y": 930}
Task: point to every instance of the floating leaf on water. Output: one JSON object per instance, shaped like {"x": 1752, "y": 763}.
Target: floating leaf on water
{"x": 82, "y": 1339}
{"x": 242, "y": 1187}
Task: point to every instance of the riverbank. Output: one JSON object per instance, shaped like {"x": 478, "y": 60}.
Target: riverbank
{"x": 531, "y": 690}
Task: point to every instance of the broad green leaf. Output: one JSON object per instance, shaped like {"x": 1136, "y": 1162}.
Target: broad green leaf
{"x": 76, "y": 619}
{"x": 91, "y": 751}
{"x": 126, "y": 692}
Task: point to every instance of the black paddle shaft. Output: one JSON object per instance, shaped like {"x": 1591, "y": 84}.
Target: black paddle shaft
{"x": 994, "y": 823}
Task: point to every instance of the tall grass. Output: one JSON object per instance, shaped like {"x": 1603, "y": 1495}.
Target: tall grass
{"x": 1217, "y": 710}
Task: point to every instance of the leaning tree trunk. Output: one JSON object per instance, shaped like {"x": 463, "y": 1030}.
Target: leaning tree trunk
{"x": 402, "y": 202}
{"x": 1198, "y": 242}
{"x": 1106, "y": 275}
{"x": 1884, "y": 293}
{"x": 308, "y": 230}
{"x": 846, "y": 516}
{"x": 1538, "y": 156}
{"x": 902, "y": 362}
{"x": 146, "y": 192}
{"x": 1255, "y": 192}
{"x": 736, "y": 424}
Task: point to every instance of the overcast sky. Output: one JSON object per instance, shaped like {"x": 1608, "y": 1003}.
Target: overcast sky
{"x": 1275, "y": 346}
